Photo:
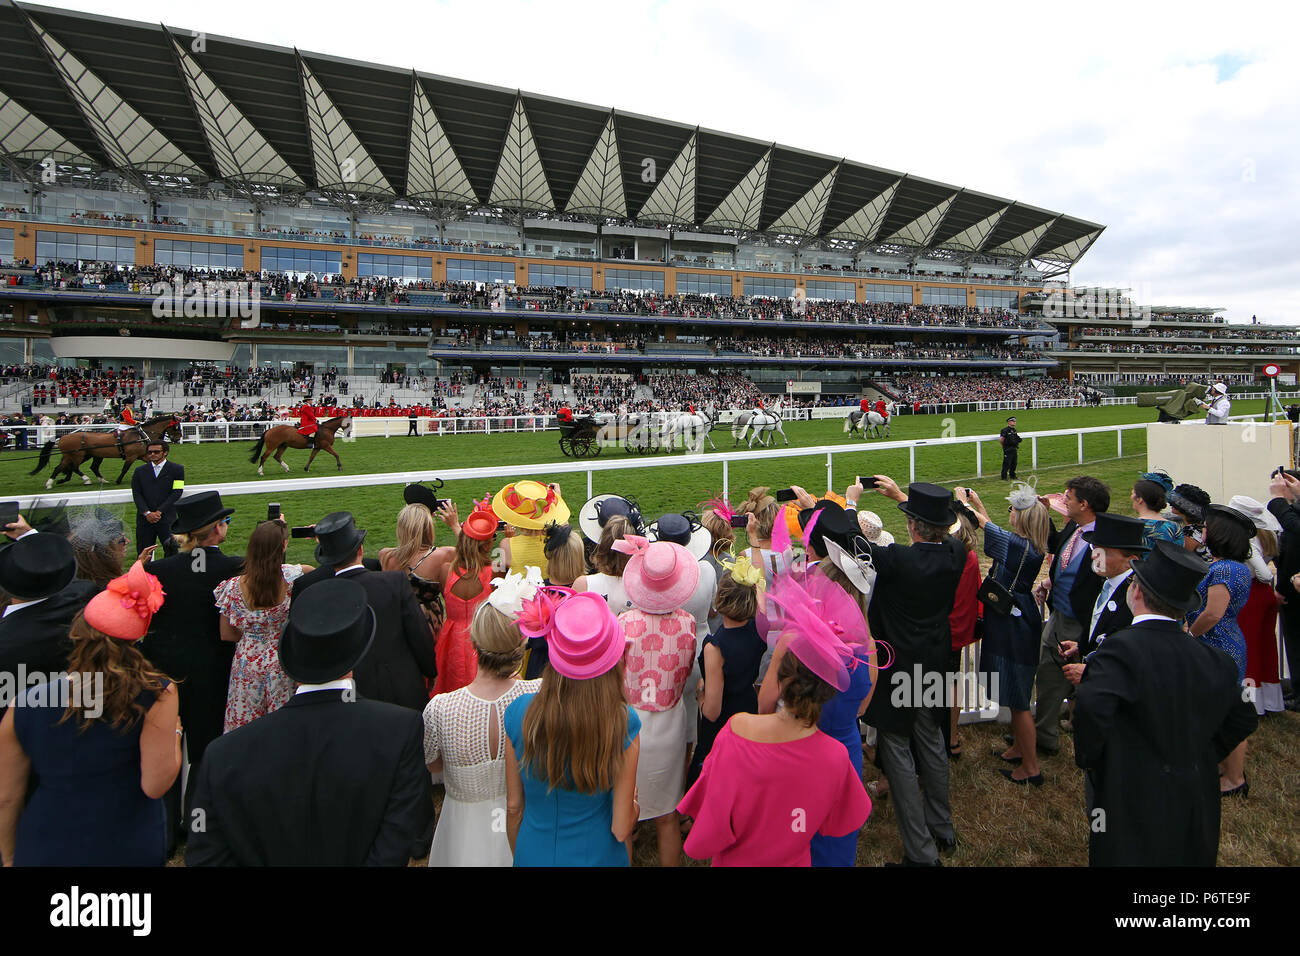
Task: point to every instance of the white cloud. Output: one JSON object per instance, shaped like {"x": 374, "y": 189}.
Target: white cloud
{"x": 1173, "y": 125}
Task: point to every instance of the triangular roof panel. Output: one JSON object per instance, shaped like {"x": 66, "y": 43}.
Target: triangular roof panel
{"x": 673, "y": 199}
{"x": 521, "y": 181}
{"x": 743, "y": 205}
{"x": 1022, "y": 244}
{"x": 342, "y": 163}
{"x": 240, "y": 151}
{"x": 919, "y": 230}
{"x": 865, "y": 223}
{"x": 599, "y": 191}
{"x": 433, "y": 171}
{"x": 128, "y": 139}
{"x": 23, "y": 136}
{"x": 971, "y": 238}
{"x": 804, "y": 218}
{"x": 1070, "y": 251}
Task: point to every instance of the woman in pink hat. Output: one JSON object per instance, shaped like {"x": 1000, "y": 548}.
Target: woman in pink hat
{"x": 103, "y": 741}
{"x": 573, "y": 746}
{"x": 774, "y": 781}
{"x": 659, "y": 578}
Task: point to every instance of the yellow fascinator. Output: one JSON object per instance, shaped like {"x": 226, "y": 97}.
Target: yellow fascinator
{"x": 743, "y": 571}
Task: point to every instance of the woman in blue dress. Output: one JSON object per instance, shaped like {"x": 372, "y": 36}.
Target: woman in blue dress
{"x": 1224, "y": 592}
{"x": 573, "y": 748}
{"x": 1148, "y": 499}
{"x": 1010, "y": 647}
{"x": 102, "y": 741}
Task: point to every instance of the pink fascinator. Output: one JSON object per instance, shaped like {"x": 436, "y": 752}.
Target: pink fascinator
{"x": 126, "y": 606}
{"x": 721, "y": 507}
{"x": 537, "y": 614}
{"x": 822, "y": 625}
{"x": 583, "y": 637}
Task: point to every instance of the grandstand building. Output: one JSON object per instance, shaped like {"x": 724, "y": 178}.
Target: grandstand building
{"x": 388, "y": 219}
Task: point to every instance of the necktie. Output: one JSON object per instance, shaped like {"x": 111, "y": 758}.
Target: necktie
{"x": 1106, "y": 589}
{"x": 1068, "y": 551}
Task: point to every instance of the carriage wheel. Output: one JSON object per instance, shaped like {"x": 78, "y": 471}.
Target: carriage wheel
{"x": 594, "y": 447}
{"x": 581, "y": 445}
{"x": 566, "y": 446}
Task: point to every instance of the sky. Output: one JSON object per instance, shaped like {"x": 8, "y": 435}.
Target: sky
{"x": 1174, "y": 125}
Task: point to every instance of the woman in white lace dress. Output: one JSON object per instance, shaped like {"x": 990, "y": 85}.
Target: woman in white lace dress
{"x": 464, "y": 737}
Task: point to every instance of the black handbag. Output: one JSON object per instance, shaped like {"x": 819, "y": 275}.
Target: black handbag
{"x": 993, "y": 595}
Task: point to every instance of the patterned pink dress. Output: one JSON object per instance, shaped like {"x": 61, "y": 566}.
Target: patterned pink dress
{"x": 257, "y": 684}
{"x": 660, "y": 660}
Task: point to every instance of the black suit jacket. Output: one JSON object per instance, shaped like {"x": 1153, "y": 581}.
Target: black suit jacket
{"x": 1288, "y": 559}
{"x": 158, "y": 493}
{"x": 185, "y": 634}
{"x": 915, "y": 586}
{"x": 1108, "y": 622}
{"x": 37, "y": 636}
{"x": 1087, "y": 583}
{"x": 402, "y": 654}
{"x": 323, "y": 781}
{"x": 322, "y": 573}
{"x": 1155, "y": 712}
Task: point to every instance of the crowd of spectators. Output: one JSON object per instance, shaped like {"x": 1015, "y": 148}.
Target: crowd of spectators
{"x": 941, "y": 390}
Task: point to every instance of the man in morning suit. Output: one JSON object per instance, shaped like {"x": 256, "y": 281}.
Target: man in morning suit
{"x": 184, "y": 639}
{"x": 156, "y": 486}
{"x": 1155, "y": 713}
{"x": 403, "y": 656}
{"x": 1074, "y": 587}
{"x": 39, "y": 573}
{"x": 913, "y": 596}
{"x": 1010, "y": 440}
{"x": 329, "y": 779}
{"x": 1117, "y": 541}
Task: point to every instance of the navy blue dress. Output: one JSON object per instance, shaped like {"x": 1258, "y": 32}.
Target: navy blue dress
{"x": 1011, "y": 644}
{"x": 839, "y": 719}
{"x": 742, "y": 650}
{"x": 87, "y": 808}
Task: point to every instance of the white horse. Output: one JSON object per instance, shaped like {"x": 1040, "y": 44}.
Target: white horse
{"x": 693, "y": 429}
{"x": 764, "y": 425}
{"x": 869, "y": 424}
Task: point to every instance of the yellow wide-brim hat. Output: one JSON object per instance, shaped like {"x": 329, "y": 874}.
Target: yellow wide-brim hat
{"x": 530, "y": 505}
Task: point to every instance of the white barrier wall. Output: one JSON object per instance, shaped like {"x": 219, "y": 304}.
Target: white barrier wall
{"x": 1225, "y": 460}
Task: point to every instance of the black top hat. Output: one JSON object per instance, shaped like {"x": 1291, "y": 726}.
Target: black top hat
{"x": 337, "y": 538}
{"x": 37, "y": 565}
{"x": 834, "y": 523}
{"x": 1232, "y": 514}
{"x": 328, "y": 633}
{"x": 418, "y": 494}
{"x": 199, "y": 510}
{"x": 929, "y": 503}
{"x": 1119, "y": 532}
{"x": 1171, "y": 573}
{"x": 1012, "y": 418}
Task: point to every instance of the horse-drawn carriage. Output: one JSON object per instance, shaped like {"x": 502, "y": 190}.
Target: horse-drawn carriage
{"x": 580, "y": 438}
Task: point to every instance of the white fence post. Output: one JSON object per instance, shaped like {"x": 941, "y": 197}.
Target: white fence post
{"x": 1081, "y": 448}
{"x": 589, "y": 494}
{"x": 726, "y": 477}
{"x": 1119, "y": 444}
{"x": 830, "y": 471}
{"x": 1033, "y": 446}
{"x": 911, "y": 464}
{"x": 979, "y": 459}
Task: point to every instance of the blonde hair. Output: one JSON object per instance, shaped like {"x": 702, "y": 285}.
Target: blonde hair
{"x": 606, "y": 560}
{"x": 719, "y": 528}
{"x": 568, "y": 562}
{"x": 498, "y": 642}
{"x": 415, "y": 535}
{"x": 472, "y": 555}
{"x": 966, "y": 533}
{"x": 763, "y": 507}
{"x": 1267, "y": 543}
{"x": 1034, "y": 525}
{"x": 189, "y": 540}
{"x": 574, "y": 731}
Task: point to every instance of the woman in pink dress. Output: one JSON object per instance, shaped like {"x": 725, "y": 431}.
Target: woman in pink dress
{"x": 254, "y": 608}
{"x": 464, "y": 580}
{"x": 774, "y": 781}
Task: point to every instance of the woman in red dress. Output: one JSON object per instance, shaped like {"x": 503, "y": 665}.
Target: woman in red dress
{"x": 465, "y": 579}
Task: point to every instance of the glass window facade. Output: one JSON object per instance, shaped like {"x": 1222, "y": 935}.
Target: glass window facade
{"x": 479, "y": 270}
{"x": 995, "y": 299}
{"x": 776, "y": 287}
{"x": 198, "y": 255}
{"x": 394, "y": 267}
{"x": 634, "y": 280}
{"x": 695, "y": 283}
{"x": 571, "y": 277}
{"x": 291, "y": 259}
{"x": 838, "y": 291}
{"x": 943, "y": 295}
{"x": 6, "y": 245}
{"x": 71, "y": 246}
{"x": 880, "y": 292}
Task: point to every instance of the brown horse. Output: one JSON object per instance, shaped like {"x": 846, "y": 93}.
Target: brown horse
{"x": 128, "y": 445}
{"x": 279, "y": 437}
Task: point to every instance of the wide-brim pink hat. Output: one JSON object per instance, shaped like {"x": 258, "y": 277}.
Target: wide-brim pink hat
{"x": 660, "y": 576}
{"x": 585, "y": 639}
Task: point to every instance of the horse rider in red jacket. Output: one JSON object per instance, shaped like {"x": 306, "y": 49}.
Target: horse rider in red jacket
{"x": 307, "y": 424}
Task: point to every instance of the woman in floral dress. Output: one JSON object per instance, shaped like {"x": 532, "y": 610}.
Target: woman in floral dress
{"x": 254, "y": 608}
